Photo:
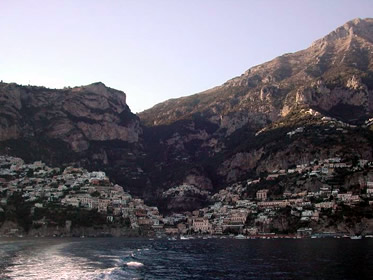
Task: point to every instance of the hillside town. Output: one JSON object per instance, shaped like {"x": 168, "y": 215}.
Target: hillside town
{"x": 255, "y": 207}
{"x": 235, "y": 210}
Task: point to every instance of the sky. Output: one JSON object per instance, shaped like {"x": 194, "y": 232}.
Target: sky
{"x": 154, "y": 50}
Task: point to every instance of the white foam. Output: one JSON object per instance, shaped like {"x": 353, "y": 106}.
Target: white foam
{"x": 51, "y": 264}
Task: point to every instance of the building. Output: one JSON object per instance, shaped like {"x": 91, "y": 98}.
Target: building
{"x": 251, "y": 231}
{"x": 238, "y": 217}
{"x": 171, "y": 230}
{"x": 304, "y": 232}
{"x": 102, "y": 205}
{"x": 262, "y": 195}
{"x": 201, "y": 225}
{"x": 370, "y": 192}
{"x": 273, "y": 204}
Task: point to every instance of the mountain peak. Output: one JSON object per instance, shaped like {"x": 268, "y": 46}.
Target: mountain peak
{"x": 97, "y": 84}
{"x": 96, "y": 87}
{"x": 357, "y": 27}
{"x": 359, "y": 23}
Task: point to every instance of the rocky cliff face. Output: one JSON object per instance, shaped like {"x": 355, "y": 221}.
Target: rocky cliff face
{"x": 76, "y": 116}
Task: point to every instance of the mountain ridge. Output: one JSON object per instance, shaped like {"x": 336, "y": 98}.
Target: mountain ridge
{"x": 274, "y": 74}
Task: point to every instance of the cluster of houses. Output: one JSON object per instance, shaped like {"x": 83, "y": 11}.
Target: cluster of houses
{"x": 76, "y": 187}
{"x": 231, "y": 210}
{"x": 319, "y": 168}
{"x": 183, "y": 190}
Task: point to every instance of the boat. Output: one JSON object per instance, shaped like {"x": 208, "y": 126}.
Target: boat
{"x": 240, "y": 236}
{"x": 135, "y": 264}
{"x": 182, "y": 237}
{"x": 355, "y": 237}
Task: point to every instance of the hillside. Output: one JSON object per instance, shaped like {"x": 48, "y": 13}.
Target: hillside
{"x": 310, "y": 105}
{"x": 211, "y": 138}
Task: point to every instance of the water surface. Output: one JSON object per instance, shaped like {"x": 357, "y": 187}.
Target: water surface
{"x": 108, "y": 258}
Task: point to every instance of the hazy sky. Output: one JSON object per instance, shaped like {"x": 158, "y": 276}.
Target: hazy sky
{"x": 161, "y": 49}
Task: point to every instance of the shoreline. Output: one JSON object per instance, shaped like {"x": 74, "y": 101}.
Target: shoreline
{"x": 187, "y": 237}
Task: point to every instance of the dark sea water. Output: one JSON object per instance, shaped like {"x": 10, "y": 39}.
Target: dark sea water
{"x": 109, "y": 258}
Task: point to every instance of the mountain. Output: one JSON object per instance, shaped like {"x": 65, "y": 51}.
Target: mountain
{"x": 312, "y": 104}
{"x": 329, "y": 72}
{"x": 211, "y": 138}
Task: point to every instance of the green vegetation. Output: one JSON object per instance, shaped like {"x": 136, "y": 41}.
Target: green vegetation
{"x": 78, "y": 216}
{"x": 19, "y": 211}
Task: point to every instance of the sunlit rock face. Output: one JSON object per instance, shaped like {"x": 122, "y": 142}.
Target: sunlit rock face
{"x": 340, "y": 62}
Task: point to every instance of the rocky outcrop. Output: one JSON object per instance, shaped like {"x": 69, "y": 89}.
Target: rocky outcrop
{"x": 200, "y": 181}
{"x": 76, "y": 116}
{"x": 353, "y": 94}
{"x": 184, "y": 198}
{"x": 239, "y": 165}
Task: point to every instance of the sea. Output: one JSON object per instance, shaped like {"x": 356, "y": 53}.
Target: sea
{"x": 125, "y": 258}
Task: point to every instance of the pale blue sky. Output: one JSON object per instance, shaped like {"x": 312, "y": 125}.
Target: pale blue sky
{"x": 156, "y": 50}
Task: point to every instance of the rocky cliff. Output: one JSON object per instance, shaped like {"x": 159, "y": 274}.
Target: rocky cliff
{"x": 90, "y": 126}
{"x": 76, "y": 116}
